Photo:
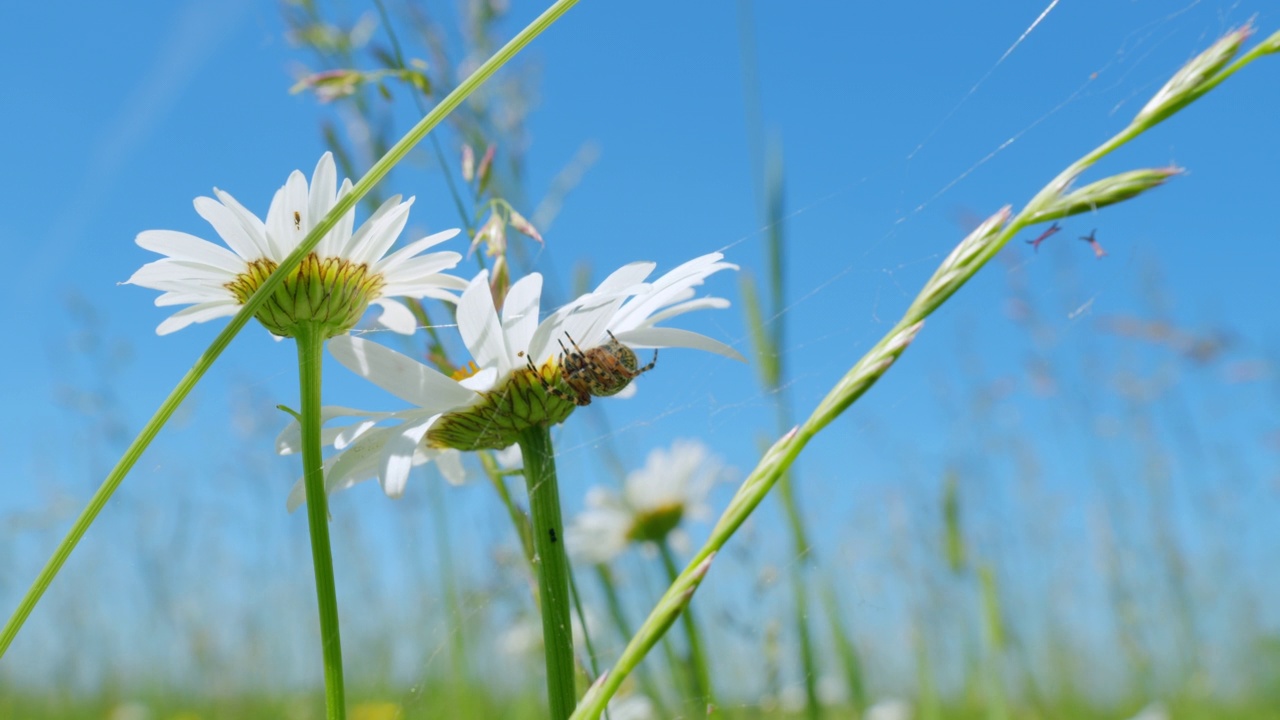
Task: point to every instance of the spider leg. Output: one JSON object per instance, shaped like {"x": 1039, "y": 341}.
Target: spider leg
{"x": 538, "y": 374}
{"x": 576, "y": 398}
{"x": 648, "y": 367}
{"x": 574, "y": 344}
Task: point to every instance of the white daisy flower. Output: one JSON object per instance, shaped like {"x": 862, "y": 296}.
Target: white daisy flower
{"x": 501, "y": 393}
{"x": 671, "y": 487}
{"x": 335, "y": 284}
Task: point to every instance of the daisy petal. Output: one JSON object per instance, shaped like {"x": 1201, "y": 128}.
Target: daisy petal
{"x": 399, "y": 456}
{"x": 395, "y": 316}
{"x": 480, "y": 328}
{"x": 181, "y": 246}
{"x": 254, "y": 229}
{"x": 520, "y": 311}
{"x": 399, "y": 375}
{"x": 704, "y": 303}
{"x": 450, "y": 464}
{"x": 672, "y": 337}
{"x": 388, "y": 264}
{"x": 240, "y": 235}
{"x": 197, "y": 313}
{"x": 379, "y": 232}
{"x": 320, "y": 197}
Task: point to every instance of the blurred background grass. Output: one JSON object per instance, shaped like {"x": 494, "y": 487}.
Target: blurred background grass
{"x": 1082, "y": 530}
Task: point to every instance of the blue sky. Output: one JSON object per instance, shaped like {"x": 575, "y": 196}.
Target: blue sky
{"x": 897, "y": 121}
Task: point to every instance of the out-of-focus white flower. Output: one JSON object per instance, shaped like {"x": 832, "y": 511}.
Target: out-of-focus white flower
{"x": 891, "y": 709}
{"x": 523, "y": 639}
{"x": 792, "y": 699}
{"x": 832, "y": 690}
{"x": 132, "y": 710}
{"x": 632, "y": 707}
{"x": 672, "y": 486}
{"x": 333, "y": 286}
{"x": 1154, "y": 710}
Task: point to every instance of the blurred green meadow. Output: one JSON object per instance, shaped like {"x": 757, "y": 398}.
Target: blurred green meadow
{"x": 988, "y": 590}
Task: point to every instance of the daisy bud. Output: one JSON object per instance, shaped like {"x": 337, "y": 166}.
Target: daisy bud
{"x": 468, "y": 163}
{"x": 1108, "y": 191}
{"x": 1187, "y": 84}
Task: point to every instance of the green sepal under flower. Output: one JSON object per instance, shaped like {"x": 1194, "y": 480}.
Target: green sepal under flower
{"x": 333, "y": 292}
{"x": 521, "y": 401}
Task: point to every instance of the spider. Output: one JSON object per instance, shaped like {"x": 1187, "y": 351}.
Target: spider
{"x": 601, "y": 371}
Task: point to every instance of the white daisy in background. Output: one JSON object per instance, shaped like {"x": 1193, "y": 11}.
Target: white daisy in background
{"x": 522, "y": 638}
{"x": 831, "y": 692}
{"x": 335, "y": 284}
{"x": 671, "y": 487}
{"x": 631, "y": 707}
{"x": 890, "y": 709}
{"x": 1154, "y": 710}
{"x": 487, "y": 404}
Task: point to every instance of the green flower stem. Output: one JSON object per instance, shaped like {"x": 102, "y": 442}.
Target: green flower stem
{"x": 699, "y": 674}
{"x": 553, "y": 567}
{"x": 962, "y": 264}
{"x": 310, "y": 338}
{"x": 252, "y": 305}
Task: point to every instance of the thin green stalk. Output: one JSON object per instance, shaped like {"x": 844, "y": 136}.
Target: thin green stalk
{"x": 1051, "y": 202}
{"x": 593, "y": 664}
{"x": 768, "y": 337}
{"x": 930, "y": 703}
{"x": 553, "y": 567}
{"x": 519, "y": 521}
{"x": 993, "y": 628}
{"x": 699, "y": 673}
{"x": 268, "y": 288}
{"x": 445, "y": 168}
{"x": 619, "y": 616}
{"x": 310, "y": 339}
{"x": 845, "y": 651}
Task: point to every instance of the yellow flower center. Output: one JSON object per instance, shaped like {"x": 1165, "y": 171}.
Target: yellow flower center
{"x": 466, "y": 371}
